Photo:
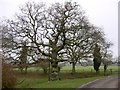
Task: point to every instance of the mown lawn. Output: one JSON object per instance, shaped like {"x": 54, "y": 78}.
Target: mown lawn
{"x": 44, "y": 83}
{"x": 88, "y": 68}
{"x": 69, "y": 68}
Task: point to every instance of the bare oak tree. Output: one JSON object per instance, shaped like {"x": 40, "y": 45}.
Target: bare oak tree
{"x": 53, "y": 33}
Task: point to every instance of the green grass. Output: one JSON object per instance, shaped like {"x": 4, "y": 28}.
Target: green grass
{"x": 87, "y": 68}
{"x": 43, "y": 83}
{"x": 31, "y": 69}
{"x": 83, "y": 75}
{"x": 69, "y": 68}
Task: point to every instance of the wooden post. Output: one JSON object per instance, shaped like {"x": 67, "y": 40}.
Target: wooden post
{"x": 91, "y": 70}
{"x": 0, "y": 72}
{"x": 110, "y": 71}
{"x": 49, "y": 67}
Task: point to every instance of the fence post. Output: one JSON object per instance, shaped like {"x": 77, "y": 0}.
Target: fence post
{"x": 83, "y": 70}
{"x": 110, "y": 71}
{"x": 91, "y": 70}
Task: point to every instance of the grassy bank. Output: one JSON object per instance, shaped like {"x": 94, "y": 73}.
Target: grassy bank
{"x": 43, "y": 83}
{"x": 35, "y": 78}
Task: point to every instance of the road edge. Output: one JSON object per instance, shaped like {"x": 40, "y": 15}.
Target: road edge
{"x": 91, "y": 82}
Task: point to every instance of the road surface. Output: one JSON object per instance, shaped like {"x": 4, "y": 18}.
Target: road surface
{"x": 107, "y": 82}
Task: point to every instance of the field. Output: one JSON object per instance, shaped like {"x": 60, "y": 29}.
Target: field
{"x": 78, "y": 69}
{"x": 35, "y": 78}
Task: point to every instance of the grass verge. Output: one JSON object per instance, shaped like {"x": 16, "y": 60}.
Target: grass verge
{"x": 43, "y": 83}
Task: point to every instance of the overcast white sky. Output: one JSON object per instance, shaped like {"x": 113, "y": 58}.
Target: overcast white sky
{"x": 102, "y": 13}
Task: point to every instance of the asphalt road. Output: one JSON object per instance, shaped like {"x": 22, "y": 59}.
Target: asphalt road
{"x": 107, "y": 82}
